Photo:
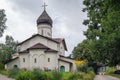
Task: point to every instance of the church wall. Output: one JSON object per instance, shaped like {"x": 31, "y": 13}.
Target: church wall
{"x": 52, "y": 45}
{"x": 62, "y": 49}
{"x": 37, "y": 59}
{"x": 65, "y": 64}
{"x": 51, "y": 60}
{"x": 70, "y": 60}
{"x": 12, "y": 64}
{"x": 36, "y": 40}
{"x": 45, "y": 30}
{"x": 24, "y": 61}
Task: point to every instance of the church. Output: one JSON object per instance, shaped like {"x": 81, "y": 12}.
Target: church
{"x": 42, "y": 51}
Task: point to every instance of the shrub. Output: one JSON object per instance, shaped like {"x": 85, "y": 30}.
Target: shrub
{"x": 1, "y": 66}
{"x": 56, "y": 75}
{"x": 13, "y": 72}
{"x": 25, "y": 75}
{"x": 82, "y": 68}
{"x": 75, "y": 76}
{"x": 39, "y": 75}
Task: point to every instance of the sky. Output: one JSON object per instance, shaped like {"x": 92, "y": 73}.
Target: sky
{"x": 67, "y": 19}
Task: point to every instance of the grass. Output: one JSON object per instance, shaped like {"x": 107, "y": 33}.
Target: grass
{"x": 4, "y": 72}
{"x": 110, "y": 71}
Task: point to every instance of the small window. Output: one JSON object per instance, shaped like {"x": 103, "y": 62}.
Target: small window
{"x": 42, "y": 32}
{"x": 35, "y": 60}
{"x": 23, "y": 59}
{"x": 48, "y": 59}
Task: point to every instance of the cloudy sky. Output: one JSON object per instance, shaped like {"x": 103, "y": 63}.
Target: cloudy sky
{"x": 67, "y": 18}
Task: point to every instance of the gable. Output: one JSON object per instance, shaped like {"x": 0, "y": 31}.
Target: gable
{"x": 62, "y": 42}
{"x": 38, "y": 39}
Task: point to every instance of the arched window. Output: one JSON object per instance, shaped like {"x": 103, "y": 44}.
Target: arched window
{"x": 35, "y": 60}
{"x": 48, "y": 59}
{"x": 23, "y": 59}
{"x": 15, "y": 66}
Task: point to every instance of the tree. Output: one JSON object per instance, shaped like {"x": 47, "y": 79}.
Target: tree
{"x": 7, "y": 49}
{"x": 103, "y": 31}
{"x": 2, "y": 21}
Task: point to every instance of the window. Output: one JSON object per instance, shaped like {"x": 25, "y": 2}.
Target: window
{"x": 48, "y": 59}
{"x": 35, "y": 60}
{"x": 42, "y": 32}
{"x": 23, "y": 59}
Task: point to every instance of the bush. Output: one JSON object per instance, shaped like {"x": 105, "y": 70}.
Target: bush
{"x": 75, "y": 76}
{"x": 38, "y": 75}
{"x": 13, "y": 72}
{"x": 82, "y": 68}
{"x": 25, "y": 75}
{"x": 1, "y": 66}
{"x": 56, "y": 75}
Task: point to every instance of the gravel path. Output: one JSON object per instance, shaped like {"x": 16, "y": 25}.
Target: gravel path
{"x": 2, "y": 77}
{"x": 104, "y": 77}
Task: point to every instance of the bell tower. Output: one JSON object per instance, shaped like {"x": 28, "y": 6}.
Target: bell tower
{"x": 44, "y": 24}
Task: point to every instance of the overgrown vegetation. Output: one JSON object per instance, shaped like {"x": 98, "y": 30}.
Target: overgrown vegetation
{"x": 41, "y": 75}
{"x": 110, "y": 71}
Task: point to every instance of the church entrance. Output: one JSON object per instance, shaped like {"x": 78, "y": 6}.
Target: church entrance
{"x": 62, "y": 68}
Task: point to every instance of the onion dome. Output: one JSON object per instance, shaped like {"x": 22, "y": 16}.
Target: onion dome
{"x": 44, "y": 18}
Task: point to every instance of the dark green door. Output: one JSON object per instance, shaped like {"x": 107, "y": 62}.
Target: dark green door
{"x": 62, "y": 68}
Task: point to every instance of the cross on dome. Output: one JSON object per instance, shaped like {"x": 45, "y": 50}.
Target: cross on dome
{"x": 44, "y": 6}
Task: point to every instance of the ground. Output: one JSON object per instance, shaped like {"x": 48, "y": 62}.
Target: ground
{"x": 105, "y": 77}
{"x": 2, "y": 77}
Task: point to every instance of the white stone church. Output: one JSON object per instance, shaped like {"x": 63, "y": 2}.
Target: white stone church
{"x": 42, "y": 51}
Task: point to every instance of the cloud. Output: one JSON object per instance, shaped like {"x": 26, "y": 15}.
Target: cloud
{"x": 67, "y": 18}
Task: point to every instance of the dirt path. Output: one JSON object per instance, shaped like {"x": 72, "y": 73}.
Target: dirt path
{"x": 2, "y": 77}
{"x": 105, "y": 77}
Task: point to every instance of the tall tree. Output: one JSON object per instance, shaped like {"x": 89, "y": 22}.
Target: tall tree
{"x": 103, "y": 30}
{"x": 2, "y": 21}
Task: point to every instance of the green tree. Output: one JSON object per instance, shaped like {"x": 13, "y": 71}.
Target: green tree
{"x": 2, "y": 21}
{"x": 103, "y": 31}
{"x": 8, "y": 48}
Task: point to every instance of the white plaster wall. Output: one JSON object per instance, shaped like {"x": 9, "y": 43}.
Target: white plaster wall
{"x": 72, "y": 61}
{"x": 11, "y": 64}
{"x": 62, "y": 49}
{"x": 40, "y": 59}
{"x": 44, "y": 29}
{"x": 38, "y": 39}
{"x": 53, "y": 64}
{"x": 65, "y": 64}
{"x": 24, "y": 65}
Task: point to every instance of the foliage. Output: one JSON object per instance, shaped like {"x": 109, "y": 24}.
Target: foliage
{"x": 82, "y": 76}
{"x": 110, "y": 71}
{"x": 41, "y": 75}
{"x": 56, "y": 75}
{"x": 75, "y": 76}
{"x": 80, "y": 62}
{"x": 38, "y": 75}
{"x": 7, "y": 49}
{"x": 1, "y": 66}
{"x": 2, "y": 21}
{"x": 103, "y": 39}
{"x": 13, "y": 72}
{"x": 26, "y": 75}
{"x": 82, "y": 68}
